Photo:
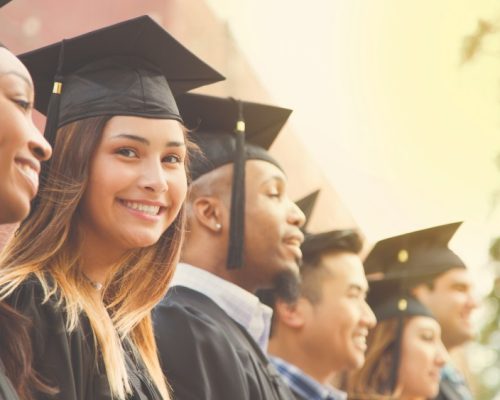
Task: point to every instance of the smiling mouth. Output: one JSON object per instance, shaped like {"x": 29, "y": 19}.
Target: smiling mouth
{"x": 148, "y": 209}
{"x": 360, "y": 341}
{"x": 29, "y": 172}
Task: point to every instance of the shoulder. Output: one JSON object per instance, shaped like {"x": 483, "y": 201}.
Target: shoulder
{"x": 46, "y": 313}
{"x": 30, "y": 299}
{"x": 198, "y": 347}
{"x": 190, "y": 316}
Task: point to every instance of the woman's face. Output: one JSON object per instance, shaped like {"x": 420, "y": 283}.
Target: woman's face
{"x": 137, "y": 183}
{"x": 422, "y": 357}
{"x": 22, "y": 146}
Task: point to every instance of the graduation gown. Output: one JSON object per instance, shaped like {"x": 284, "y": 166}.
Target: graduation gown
{"x": 68, "y": 360}
{"x": 7, "y": 391}
{"x": 206, "y": 355}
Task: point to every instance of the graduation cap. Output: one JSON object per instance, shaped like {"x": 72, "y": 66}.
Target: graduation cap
{"x": 316, "y": 243}
{"x": 417, "y": 256}
{"x": 131, "y": 68}
{"x": 230, "y": 131}
{"x": 396, "y": 265}
{"x": 306, "y": 205}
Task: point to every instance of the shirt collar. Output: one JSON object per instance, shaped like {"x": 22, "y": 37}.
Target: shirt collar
{"x": 303, "y": 384}
{"x": 241, "y": 305}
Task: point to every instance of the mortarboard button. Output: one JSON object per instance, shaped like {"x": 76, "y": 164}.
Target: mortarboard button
{"x": 402, "y": 304}
{"x": 403, "y": 256}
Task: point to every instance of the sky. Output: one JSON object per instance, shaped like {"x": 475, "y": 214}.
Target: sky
{"x": 405, "y": 132}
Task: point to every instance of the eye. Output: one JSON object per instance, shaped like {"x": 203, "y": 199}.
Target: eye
{"x": 25, "y": 105}
{"x": 427, "y": 336}
{"x": 172, "y": 159}
{"x": 127, "y": 152}
{"x": 274, "y": 193}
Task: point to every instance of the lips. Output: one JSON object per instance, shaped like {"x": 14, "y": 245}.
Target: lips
{"x": 29, "y": 170}
{"x": 359, "y": 339}
{"x": 145, "y": 207}
{"x": 294, "y": 239}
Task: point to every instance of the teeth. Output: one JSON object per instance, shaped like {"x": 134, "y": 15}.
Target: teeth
{"x": 150, "y": 210}
{"x": 360, "y": 341}
{"x": 29, "y": 172}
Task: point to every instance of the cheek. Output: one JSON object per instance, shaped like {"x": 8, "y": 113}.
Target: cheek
{"x": 177, "y": 186}
{"x": 415, "y": 358}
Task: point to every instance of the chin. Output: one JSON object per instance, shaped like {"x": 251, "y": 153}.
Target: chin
{"x": 356, "y": 362}
{"x": 140, "y": 241}
{"x": 14, "y": 214}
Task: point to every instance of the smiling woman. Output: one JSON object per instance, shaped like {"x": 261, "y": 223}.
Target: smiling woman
{"x": 22, "y": 148}
{"x": 98, "y": 250}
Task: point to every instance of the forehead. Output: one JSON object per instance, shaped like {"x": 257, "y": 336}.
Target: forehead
{"x": 259, "y": 172}
{"x": 345, "y": 266}
{"x": 421, "y": 322}
{"x": 10, "y": 63}
{"x": 454, "y": 276}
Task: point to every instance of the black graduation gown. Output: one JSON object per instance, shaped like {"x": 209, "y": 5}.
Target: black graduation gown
{"x": 69, "y": 361}
{"x": 7, "y": 391}
{"x": 206, "y": 355}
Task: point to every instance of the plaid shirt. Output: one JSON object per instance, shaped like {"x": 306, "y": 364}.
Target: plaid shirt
{"x": 455, "y": 378}
{"x": 303, "y": 385}
{"x": 242, "y": 306}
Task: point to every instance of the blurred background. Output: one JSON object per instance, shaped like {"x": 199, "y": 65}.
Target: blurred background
{"x": 396, "y": 110}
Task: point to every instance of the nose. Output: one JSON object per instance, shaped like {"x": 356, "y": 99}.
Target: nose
{"x": 154, "y": 177}
{"x": 38, "y": 145}
{"x": 369, "y": 318}
{"x": 441, "y": 354}
{"x": 296, "y": 216}
{"x": 472, "y": 301}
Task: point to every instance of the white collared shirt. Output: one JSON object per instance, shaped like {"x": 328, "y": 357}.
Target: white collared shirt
{"x": 241, "y": 305}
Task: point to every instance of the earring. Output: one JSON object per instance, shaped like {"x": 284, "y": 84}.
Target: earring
{"x": 218, "y": 226}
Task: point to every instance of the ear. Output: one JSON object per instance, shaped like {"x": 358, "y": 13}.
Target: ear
{"x": 421, "y": 292}
{"x": 292, "y": 315}
{"x": 208, "y": 211}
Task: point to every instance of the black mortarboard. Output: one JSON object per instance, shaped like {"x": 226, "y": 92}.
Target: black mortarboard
{"x": 339, "y": 239}
{"x": 131, "y": 68}
{"x": 231, "y": 131}
{"x": 306, "y": 205}
{"x": 416, "y": 255}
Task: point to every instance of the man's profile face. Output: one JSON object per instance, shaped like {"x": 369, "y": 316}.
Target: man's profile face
{"x": 452, "y": 302}
{"x": 272, "y": 223}
{"x": 338, "y": 324}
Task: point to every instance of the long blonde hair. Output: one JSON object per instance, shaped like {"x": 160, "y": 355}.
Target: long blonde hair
{"x": 46, "y": 246}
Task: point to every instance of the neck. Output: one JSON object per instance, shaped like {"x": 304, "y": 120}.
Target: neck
{"x": 98, "y": 260}
{"x": 212, "y": 258}
{"x": 289, "y": 348}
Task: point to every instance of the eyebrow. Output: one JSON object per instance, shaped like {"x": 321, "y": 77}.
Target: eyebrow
{"x": 146, "y": 141}
{"x": 358, "y": 287}
{"x": 23, "y": 77}
{"x": 275, "y": 178}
